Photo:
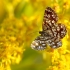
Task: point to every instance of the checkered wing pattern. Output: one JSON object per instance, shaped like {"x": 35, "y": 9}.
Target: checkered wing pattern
{"x": 39, "y": 43}
{"x": 51, "y": 34}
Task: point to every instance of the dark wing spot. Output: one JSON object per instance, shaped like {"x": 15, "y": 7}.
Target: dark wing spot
{"x": 61, "y": 30}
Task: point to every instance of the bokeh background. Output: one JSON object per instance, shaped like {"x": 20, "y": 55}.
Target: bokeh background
{"x": 20, "y": 22}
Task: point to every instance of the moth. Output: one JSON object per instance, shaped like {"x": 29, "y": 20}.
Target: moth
{"x": 51, "y": 33}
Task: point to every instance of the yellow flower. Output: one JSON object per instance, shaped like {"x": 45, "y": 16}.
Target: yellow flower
{"x": 59, "y": 57}
{"x": 66, "y": 4}
{"x": 11, "y": 42}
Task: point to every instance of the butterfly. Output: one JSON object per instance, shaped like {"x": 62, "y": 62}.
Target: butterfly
{"x": 51, "y": 33}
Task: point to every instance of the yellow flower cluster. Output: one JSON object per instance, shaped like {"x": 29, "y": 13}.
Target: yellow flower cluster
{"x": 60, "y": 61}
{"x": 11, "y": 42}
{"x": 60, "y": 58}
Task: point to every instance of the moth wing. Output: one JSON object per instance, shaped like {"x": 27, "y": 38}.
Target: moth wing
{"x": 50, "y": 18}
{"x": 54, "y": 42}
{"x": 61, "y": 29}
{"x": 39, "y": 43}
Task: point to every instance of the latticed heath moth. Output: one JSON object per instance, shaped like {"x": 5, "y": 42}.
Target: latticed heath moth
{"x": 51, "y": 33}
